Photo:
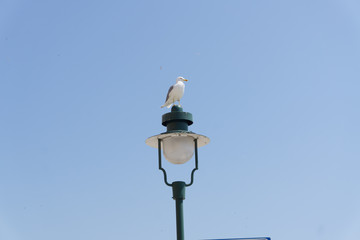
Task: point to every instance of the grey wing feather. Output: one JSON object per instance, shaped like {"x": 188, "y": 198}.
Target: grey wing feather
{"x": 167, "y": 97}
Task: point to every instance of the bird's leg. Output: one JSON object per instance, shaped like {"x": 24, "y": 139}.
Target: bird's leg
{"x": 179, "y": 103}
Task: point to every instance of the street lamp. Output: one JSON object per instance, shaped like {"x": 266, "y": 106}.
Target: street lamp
{"x": 179, "y": 145}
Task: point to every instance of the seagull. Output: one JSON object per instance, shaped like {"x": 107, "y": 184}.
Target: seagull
{"x": 175, "y": 92}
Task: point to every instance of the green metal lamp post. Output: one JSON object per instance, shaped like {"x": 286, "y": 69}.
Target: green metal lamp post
{"x": 178, "y": 145}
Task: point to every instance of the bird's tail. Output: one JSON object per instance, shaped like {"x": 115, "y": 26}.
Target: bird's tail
{"x": 168, "y": 106}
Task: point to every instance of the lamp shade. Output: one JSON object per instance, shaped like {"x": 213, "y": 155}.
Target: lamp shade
{"x": 178, "y": 149}
{"x": 177, "y": 143}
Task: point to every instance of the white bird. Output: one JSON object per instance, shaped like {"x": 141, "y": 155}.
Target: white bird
{"x": 175, "y": 92}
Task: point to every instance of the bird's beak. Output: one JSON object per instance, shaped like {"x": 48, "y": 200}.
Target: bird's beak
{"x": 185, "y": 80}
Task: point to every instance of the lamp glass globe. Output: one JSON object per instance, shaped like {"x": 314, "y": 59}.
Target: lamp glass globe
{"x": 178, "y": 149}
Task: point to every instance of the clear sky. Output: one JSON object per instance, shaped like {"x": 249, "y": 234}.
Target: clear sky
{"x": 274, "y": 84}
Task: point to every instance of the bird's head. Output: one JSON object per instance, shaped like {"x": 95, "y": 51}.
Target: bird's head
{"x": 181, "y": 79}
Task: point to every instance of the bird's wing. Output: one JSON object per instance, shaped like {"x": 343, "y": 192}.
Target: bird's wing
{"x": 167, "y": 97}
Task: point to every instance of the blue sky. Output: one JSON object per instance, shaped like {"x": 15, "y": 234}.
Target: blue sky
{"x": 274, "y": 84}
